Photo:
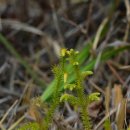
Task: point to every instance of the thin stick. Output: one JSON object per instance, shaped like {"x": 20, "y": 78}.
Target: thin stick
{"x": 98, "y": 34}
{"x": 108, "y": 115}
{"x": 6, "y": 114}
{"x": 17, "y": 122}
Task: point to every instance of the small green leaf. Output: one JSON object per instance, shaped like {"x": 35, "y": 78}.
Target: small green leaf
{"x": 94, "y": 97}
{"x": 70, "y": 86}
{"x": 86, "y": 73}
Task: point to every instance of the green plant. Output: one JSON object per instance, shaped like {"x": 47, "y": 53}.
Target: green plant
{"x": 58, "y": 71}
{"x": 80, "y": 99}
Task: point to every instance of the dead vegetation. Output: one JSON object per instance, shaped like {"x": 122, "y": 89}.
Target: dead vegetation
{"x": 36, "y": 31}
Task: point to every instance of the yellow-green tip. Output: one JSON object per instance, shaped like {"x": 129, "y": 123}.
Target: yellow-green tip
{"x": 94, "y": 97}
{"x": 64, "y": 97}
{"x": 63, "y": 52}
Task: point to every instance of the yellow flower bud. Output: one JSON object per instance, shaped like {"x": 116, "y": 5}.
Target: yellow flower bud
{"x": 63, "y": 52}
{"x": 65, "y": 77}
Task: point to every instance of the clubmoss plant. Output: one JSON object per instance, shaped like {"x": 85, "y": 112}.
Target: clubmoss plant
{"x": 80, "y": 99}
{"x": 58, "y": 71}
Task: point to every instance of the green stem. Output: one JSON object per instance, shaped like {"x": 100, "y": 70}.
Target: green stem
{"x": 81, "y": 96}
{"x": 57, "y": 93}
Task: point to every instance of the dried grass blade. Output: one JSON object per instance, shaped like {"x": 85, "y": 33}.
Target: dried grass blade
{"x": 107, "y": 99}
{"x": 121, "y": 114}
{"x": 117, "y": 95}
